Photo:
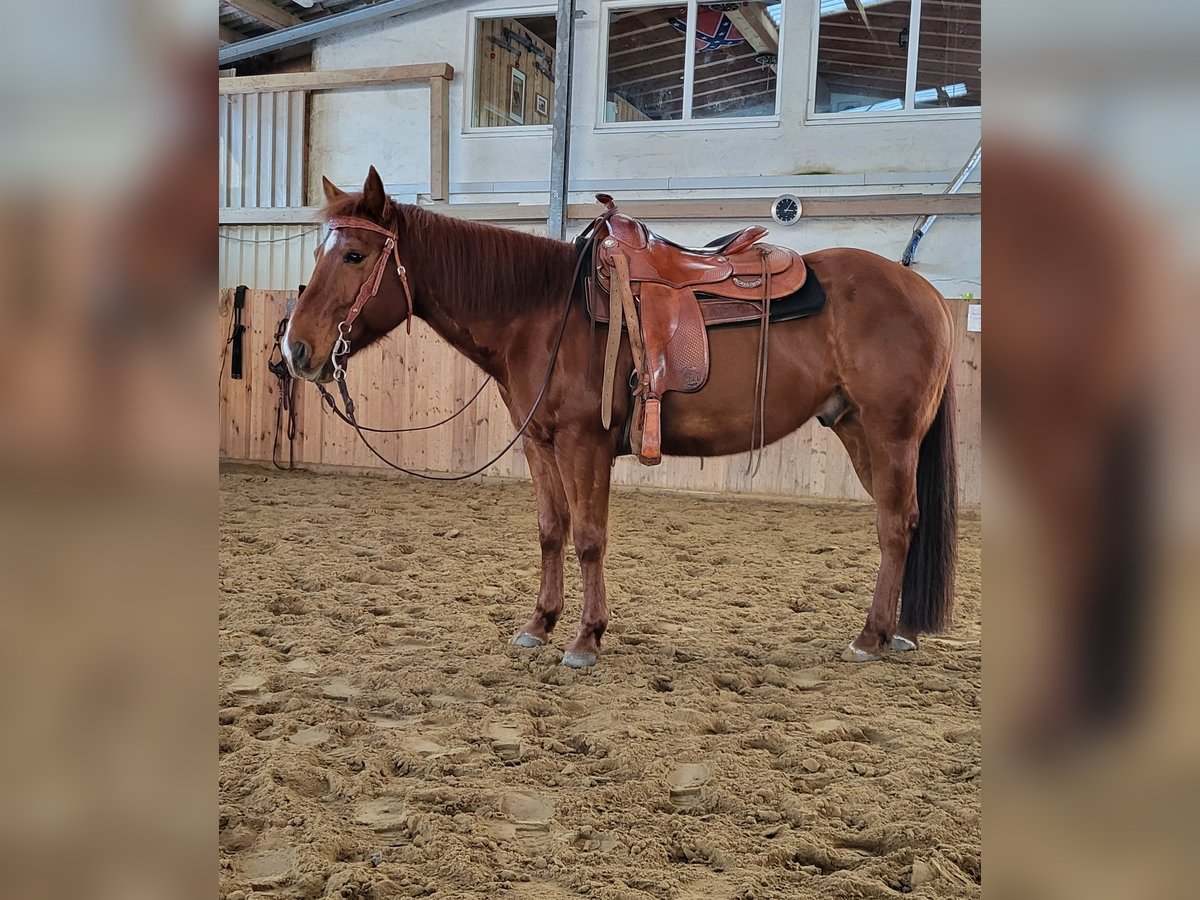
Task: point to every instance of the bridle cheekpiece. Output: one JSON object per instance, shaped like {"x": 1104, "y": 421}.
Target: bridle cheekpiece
{"x": 370, "y": 287}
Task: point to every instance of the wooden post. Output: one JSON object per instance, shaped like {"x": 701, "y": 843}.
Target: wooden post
{"x": 439, "y": 138}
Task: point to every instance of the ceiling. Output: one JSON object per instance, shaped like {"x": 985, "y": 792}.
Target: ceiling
{"x": 240, "y": 19}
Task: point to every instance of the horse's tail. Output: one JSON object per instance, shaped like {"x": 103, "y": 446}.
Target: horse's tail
{"x": 927, "y": 598}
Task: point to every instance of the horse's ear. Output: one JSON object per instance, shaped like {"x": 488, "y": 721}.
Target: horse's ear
{"x": 332, "y": 191}
{"x": 375, "y": 197}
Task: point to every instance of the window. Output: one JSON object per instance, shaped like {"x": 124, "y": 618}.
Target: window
{"x": 869, "y": 62}
{"x": 514, "y": 71}
{"x": 691, "y": 62}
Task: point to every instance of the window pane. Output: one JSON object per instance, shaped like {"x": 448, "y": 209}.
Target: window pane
{"x": 645, "y": 65}
{"x": 737, "y": 54}
{"x": 514, "y": 67}
{"x": 862, "y": 57}
{"x": 948, "y": 57}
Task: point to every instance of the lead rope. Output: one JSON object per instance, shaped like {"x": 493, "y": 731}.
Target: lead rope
{"x": 348, "y": 415}
{"x": 287, "y": 400}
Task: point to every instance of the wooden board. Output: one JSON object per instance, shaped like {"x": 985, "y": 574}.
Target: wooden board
{"x": 417, "y": 379}
{"x": 338, "y": 79}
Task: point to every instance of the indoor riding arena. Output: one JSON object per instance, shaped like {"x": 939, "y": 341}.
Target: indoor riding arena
{"x": 602, "y": 548}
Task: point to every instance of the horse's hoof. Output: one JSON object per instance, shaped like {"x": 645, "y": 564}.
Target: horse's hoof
{"x": 902, "y": 644}
{"x": 853, "y": 654}
{"x": 575, "y": 660}
{"x": 528, "y": 641}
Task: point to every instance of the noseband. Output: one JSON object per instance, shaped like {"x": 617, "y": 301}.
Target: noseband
{"x": 370, "y": 287}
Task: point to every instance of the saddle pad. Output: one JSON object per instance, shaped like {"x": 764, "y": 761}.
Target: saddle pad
{"x": 721, "y": 312}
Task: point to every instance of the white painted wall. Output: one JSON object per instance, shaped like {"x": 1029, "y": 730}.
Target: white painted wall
{"x": 351, "y": 131}
{"x": 388, "y": 128}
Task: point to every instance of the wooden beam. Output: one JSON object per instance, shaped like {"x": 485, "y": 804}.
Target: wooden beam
{"x": 439, "y": 139}
{"x": 267, "y": 13}
{"x": 756, "y": 27}
{"x": 735, "y": 209}
{"x": 228, "y": 36}
{"x": 340, "y": 79}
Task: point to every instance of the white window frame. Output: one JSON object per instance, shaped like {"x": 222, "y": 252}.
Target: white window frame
{"x": 509, "y": 131}
{"x": 909, "y": 113}
{"x": 687, "y": 123}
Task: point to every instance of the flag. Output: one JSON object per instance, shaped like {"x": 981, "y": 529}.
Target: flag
{"x": 714, "y": 31}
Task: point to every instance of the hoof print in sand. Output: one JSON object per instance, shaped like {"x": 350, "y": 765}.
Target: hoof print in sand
{"x": 248, "y": 685}
{"x": 339, "y": 689}
{"x": 506, "y": 740}
{"x": 528, "y": 816}
{"x": 686, "y": 782}
{"x": 383, "y": 814}
{"x": 309, "y": 737}
{"x": 267, "y": 869}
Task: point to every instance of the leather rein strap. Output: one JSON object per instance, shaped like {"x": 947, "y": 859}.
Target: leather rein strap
{"x": 370, "y": 288}
{"x": 758, "y": 421}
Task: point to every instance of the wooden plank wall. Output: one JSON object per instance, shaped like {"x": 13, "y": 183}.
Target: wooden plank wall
{"x": 625, "y": 111}
{"x": 418, "y": 379}
{"x": 494, "y": 79}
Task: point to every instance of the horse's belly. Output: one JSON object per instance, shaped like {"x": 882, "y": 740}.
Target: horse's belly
{"x": 719, "y": 418}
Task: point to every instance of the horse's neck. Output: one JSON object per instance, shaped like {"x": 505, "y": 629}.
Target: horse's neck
{"x": 478, "y": 340}
{"x": 476, "y": 329}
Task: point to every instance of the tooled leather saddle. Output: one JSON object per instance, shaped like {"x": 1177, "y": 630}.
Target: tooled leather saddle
{"x": 666, "y": 296}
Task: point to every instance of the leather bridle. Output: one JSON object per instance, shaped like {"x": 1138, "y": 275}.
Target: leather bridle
{"x": 369, "y": 288}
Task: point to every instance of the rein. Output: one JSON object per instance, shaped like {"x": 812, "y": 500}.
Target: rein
{"x": 370, "y": 288}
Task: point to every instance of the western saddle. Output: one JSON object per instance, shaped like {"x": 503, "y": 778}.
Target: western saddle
{"x": 666, "y": 296}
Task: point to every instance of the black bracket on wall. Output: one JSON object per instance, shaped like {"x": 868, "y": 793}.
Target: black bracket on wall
{"x": 546, "y": 71}
{"x": 527, "y": 42}
{"x": 505, "y": 45}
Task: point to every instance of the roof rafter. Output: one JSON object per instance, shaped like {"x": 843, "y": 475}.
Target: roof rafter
{"x": 228, "y": 35}
{"x": 267, "y": 13}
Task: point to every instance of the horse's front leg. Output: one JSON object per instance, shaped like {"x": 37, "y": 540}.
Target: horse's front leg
{"x": 585, "y": 466}
{"x": 554, "y": 519}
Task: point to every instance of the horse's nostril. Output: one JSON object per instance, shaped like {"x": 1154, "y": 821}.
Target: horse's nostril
{"x": 299, "y": 353}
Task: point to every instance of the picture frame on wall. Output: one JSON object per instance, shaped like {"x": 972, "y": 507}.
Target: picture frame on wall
{"x": 542, "y": 105}
{"x": 516, "y": 95}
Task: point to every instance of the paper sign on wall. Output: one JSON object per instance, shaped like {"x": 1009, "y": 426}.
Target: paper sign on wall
{"x": 974, "y": 317}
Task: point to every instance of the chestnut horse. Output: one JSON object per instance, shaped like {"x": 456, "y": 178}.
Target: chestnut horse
{"x": 881, "y": 348}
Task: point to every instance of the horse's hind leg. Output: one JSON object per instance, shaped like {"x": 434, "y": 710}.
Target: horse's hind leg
{"x": 894, "y": 485}
{"x": 850, "y": 431}
{"x": 554, "y": 520}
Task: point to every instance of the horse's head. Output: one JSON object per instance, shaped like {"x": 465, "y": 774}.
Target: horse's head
{"x": 358, "y": 290}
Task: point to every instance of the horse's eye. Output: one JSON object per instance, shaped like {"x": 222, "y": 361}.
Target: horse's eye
{"x": 353, "y": 257}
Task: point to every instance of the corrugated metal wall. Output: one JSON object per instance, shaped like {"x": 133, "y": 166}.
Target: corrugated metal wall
{"x": 267, "y": 257}
{"x": 262, "y": 149}
{"x": 262, "y": 162}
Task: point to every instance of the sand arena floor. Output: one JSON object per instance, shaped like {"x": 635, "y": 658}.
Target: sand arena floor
{"x": 380, "y": 738}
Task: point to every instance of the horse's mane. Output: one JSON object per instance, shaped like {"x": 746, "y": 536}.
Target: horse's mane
{"x": 472, "y": 265}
